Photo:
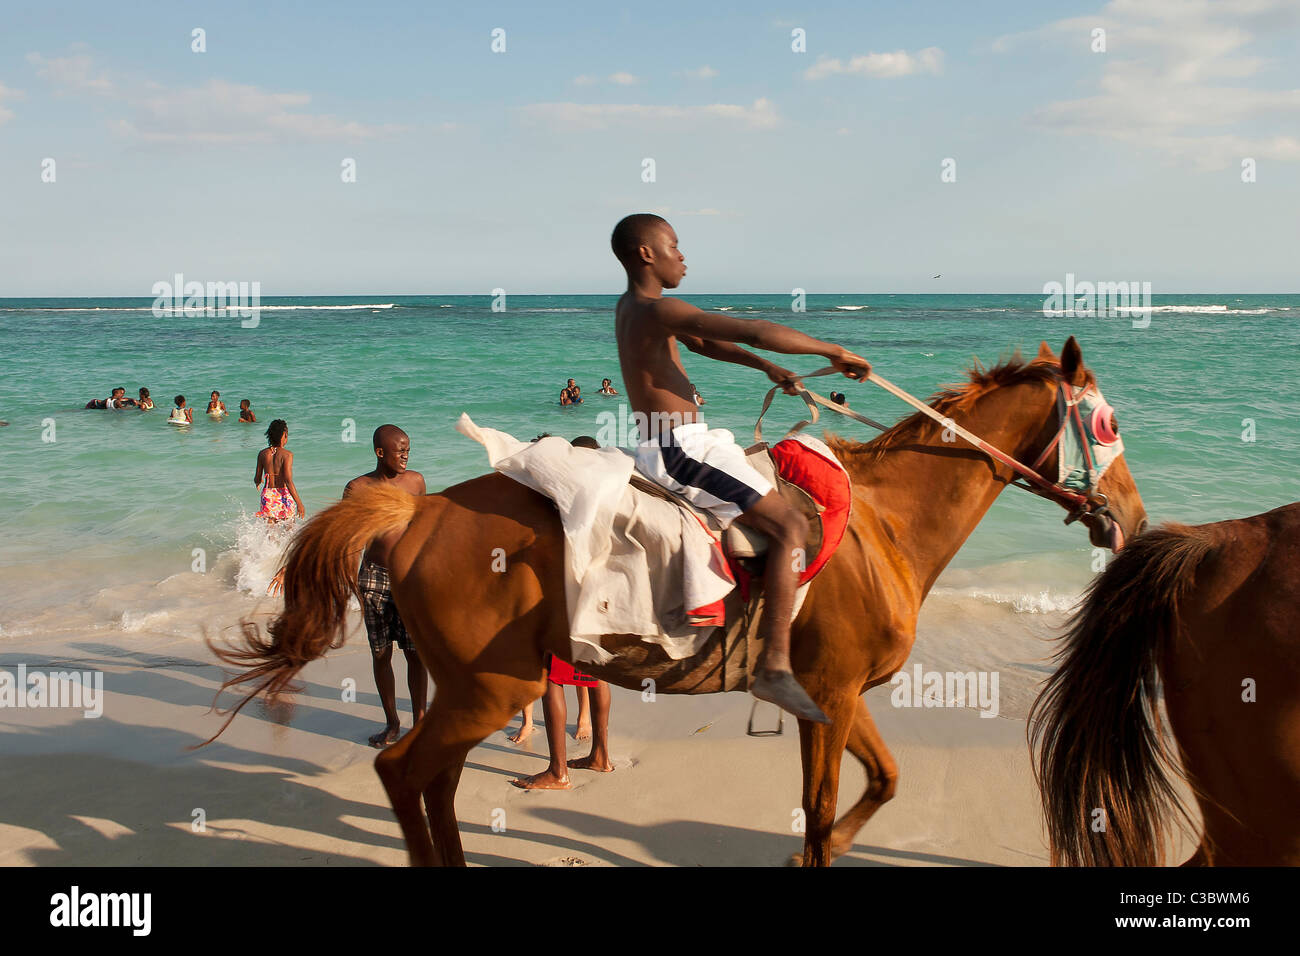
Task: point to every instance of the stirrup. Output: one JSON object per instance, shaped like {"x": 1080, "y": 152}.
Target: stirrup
{"x": 780, "y": 722}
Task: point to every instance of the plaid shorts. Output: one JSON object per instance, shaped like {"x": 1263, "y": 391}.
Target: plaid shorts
{"x": 383, "y": 625}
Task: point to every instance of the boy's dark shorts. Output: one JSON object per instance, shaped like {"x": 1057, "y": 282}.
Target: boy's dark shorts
{"x": 383, "y": 625}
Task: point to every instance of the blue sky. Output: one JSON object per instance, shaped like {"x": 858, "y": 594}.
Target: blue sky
{"x": 818, "y": 170}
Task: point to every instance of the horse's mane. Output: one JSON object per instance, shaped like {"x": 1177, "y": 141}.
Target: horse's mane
{"x": 952, "y": 400}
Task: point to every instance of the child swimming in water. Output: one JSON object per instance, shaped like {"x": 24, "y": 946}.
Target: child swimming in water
{"x": 607, "y": 387}
{"x": 181, "y": 414}
{"x": 246, "y": 412}
{"x": 145, "y": 403}
{"x": 216, "y": 407}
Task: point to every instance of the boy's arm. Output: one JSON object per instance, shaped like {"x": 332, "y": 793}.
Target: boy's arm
{"x": 684, "y": 320}
{"x": 724, "y": 352}
{"x": 730, "y": 352}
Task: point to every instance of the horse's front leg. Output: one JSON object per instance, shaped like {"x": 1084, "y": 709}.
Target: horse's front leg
{"x": 822, "y": 749}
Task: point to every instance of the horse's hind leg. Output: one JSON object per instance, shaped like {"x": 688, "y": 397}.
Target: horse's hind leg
{"x": 440, "y": 805}
{"x": 868, "y": 746}
{"x": 399, "y": 773}
{"x": 427, "y": 762}
{"x": 822, "y": 749}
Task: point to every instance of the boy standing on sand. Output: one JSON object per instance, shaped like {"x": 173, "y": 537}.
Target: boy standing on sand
{"x": 593, "y": 695}
{"x": 383, "y": 625}
{"x": 705, "y": 465}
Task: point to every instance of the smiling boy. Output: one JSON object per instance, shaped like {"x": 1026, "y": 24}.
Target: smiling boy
{"x": 384, "y": 626}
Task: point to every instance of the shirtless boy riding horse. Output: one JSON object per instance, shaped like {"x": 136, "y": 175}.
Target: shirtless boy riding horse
{"x": 705, "y": 465}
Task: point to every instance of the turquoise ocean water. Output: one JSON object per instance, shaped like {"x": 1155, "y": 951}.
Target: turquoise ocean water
{"x": 105, "y": 526}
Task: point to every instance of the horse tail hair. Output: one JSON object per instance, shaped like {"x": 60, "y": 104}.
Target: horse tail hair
{"x": 319, "y": 578}
{"x": 1103, "y": 766}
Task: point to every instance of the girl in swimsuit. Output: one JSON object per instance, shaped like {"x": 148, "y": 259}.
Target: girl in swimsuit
{"x": 145, "y": 403}
{"x": 280, "y": 501}
{"x": 216, "y": 407}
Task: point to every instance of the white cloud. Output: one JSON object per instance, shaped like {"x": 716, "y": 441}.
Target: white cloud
{"x": 7, "y": 93}
{"x": 221, "y": 112}
{"x": 880, "y": 65}
{"x": 216, "y": 112}
{"x": 701, "y": 73}
{"x": 1170, "y": 80}
{"x": 75, "y": 73}
{"x": 760, "y": 115}
{"x": 618, "y": 79}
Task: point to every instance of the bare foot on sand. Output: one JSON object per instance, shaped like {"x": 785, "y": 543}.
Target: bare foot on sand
{"x": 522, "y": 734}
{"x": 589, "y": 762}
{"x": 583, "y": 731}
{"x": 543, "y": 781}
{"x": 385, "y": 737}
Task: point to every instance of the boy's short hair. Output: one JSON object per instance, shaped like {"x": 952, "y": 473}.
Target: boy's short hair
{"x": 631, "y": 232}
{"x": 585, "y": 441}
{"x": 179, "y": 399}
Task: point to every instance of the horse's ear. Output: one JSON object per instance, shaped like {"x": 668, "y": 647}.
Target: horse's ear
{"x": 1072, "y": 362}
{"x": 1045, "y": 351}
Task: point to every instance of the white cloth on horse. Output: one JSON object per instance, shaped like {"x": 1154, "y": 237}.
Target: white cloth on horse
{"x": 634, "y": 563}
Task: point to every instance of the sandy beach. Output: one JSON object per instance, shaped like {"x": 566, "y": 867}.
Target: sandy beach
{"x": 297, "y": 787}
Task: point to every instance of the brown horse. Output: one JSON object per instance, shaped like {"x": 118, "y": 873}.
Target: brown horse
{"x": 478, "y": 580}
{"x": 1210, "y": 611}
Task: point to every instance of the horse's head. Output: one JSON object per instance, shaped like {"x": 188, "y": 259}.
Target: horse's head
{"x": 1087, "y": 457}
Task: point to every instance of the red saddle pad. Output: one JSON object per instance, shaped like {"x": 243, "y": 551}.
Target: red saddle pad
{"x": 807, "y": 462}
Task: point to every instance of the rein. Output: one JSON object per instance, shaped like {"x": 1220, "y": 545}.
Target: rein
{"x": 1031, "y": 480}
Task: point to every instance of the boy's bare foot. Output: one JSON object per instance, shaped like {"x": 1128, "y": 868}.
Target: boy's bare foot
{"x": 589, "y": 762}
{"x": 387, "y": 736}
{"x": 543, "y": 781}
{"x": 780, "y": 688}
{"x": 522, "y": 734}
{"x": 583, "y": 732}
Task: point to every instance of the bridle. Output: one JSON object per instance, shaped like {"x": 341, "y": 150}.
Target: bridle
{"x": 1088, "y": 503}
{"x": 1077, "y": 504}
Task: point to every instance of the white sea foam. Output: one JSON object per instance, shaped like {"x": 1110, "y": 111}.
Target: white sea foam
{"x": 259, "y": 550}
{"x": 852, "y": 308}
{"x": 1044, "y": 601}
{"x": 1204, "y": 309}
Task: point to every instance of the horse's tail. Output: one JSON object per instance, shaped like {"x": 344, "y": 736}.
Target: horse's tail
{"x": 319, "y": 578}
{"x": 1103, "y": 767}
